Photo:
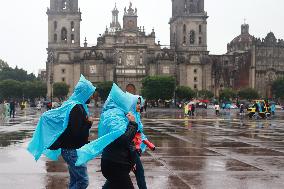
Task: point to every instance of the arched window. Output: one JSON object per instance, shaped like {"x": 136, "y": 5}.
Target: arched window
{"x": 55, "y": 37}
{"x": 55, "y": 25}
{"x": 64, "y": 34}
{"x": 184, "y": 29}
{"x": 72, "y": 38}
{"x": 200, "y": 29}
{"x": 64, "y": 4}
{"x": 184, "y": 40}
{"x": 200, "y": 40}
{"x": 192, "y": 37}
{"x": 72, "y": 26}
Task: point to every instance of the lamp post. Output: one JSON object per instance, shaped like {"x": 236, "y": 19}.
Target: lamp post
{"x": 51, "y": 85}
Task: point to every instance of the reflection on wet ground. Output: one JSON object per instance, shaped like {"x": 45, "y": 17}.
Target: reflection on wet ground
{"x": 204, "y": 151}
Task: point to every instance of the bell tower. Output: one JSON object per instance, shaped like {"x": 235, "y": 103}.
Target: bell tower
{"x": 115, "y": 25}
{"x": 188, "y": 26}
{"x": 130, "y": 19}
{"x": 64, "y": 19}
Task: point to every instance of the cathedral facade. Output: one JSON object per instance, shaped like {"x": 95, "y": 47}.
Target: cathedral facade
{"x": 125, "y": 53}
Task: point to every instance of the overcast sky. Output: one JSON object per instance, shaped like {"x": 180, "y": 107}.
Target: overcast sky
{"x": 23, "y": 24}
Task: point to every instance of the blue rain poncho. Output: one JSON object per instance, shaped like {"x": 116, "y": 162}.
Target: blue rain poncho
{"x": 113, "y": 123}
{"x": 6, "y": 110}
{"x": 138, "y": 119}
{"x": 54, "y": 122}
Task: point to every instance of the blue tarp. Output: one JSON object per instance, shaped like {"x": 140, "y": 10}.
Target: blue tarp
{"x": 113, "y": 123}
{"x": 54, "y": 122}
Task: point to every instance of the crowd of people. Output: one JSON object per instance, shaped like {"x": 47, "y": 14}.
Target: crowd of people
{"x": 121, "y": 140}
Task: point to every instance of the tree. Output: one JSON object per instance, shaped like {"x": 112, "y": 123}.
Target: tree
{"x": 248, "y": 94}
{"x": 227, "y": 94}
{"x": 35, "y": 89}
{"x": 60, "y": 90}
{"x": 278, "y": 88}
{"x": 10, "y": 89}
{"x": 158, "y": 87}
{"x": 3, "y": 64}
{"x": 16, "y": 74}
{"x": 205, "y": 94}
{"x": 103, "y": 89}
{"x": 184, "y": 93}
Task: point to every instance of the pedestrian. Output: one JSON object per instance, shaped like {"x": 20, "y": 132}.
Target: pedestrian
{"x": 186, "y": 109}
{"x": 140, "y": 141}
{"x": 242, "y": 109}
{"x": 6, "y": 110}
{"x": 145, "y": 105}
{"x": 189, "y": 109}
{"x": 192, "y": 109}
{"x": 273, "y": 108}
{"x": 217, "y": 109}
{"x": 116, "y": 131}
{"x": 12, "y": 108}
{"x": 65, "y": 129}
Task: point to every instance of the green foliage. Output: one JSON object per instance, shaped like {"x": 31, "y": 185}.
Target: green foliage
{"x": 227, "y": 94}
{"x": 10, "y": 89}
{"x": 16, "y": 83}
{"x": 60, "y": 90}
{"x": 248, "y": 94}
{"x": 184, "y": 93}
{"x": 103, "y": 89}
{"x": 16, "y": 74}
{"x": 205, "y": 94}
{"x": 35, "y": 89}
{"x": 278, "y": 88}
{"x": 3, "y": 64}
{"x": 158, "y": 87}
{"x": 18, "y": 90}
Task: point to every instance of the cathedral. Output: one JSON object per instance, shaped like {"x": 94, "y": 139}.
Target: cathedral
{"x": 126, "y": 53}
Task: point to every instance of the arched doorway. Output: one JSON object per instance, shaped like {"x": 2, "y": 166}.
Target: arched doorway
{"x": 131, "y": 88}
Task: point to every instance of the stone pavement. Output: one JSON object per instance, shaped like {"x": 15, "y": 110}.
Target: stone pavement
{"x": 204, "y": 151}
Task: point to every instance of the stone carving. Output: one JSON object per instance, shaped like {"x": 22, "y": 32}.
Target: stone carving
{"x": 130, "y": 60}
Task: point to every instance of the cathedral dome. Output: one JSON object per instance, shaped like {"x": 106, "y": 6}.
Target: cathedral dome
{"x": 242, "y": 42}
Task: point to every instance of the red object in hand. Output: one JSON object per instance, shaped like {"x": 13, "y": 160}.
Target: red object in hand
{"x": 137, "y": 141}
{"x": 150, "y": 145}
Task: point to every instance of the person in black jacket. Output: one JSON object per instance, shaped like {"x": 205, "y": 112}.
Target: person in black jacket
{"x": 12, "y": 108}
{"x": 74, "y": 137}
{"x": 118, "y": 158}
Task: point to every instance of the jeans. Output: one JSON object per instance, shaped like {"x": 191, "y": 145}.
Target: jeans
{"x": 78, "y": 174}
{"x": 139, "y": 174}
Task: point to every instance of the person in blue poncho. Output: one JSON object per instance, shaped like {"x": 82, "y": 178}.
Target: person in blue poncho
{"x": 140, "y": 142}
{"x": 116, "y": 130}
{"x": 140, "y": 146}
{"x": 65, "y": 129}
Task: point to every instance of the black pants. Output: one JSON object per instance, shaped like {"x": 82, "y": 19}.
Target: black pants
{"x": 12, "y": 112}
{"x": 117, "y": 174}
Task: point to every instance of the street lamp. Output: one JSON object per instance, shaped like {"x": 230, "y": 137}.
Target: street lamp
{"x": 51, "y": 84}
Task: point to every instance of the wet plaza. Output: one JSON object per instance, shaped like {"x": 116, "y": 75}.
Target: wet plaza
{"x": 204, "y": 151}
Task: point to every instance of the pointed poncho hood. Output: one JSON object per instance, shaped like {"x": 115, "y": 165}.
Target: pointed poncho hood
{"x": 113, "y": 123}
{"x": 54, "y": 122}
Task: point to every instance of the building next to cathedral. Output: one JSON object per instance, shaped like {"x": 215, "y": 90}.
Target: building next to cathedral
{"x": 127, "y": 53}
